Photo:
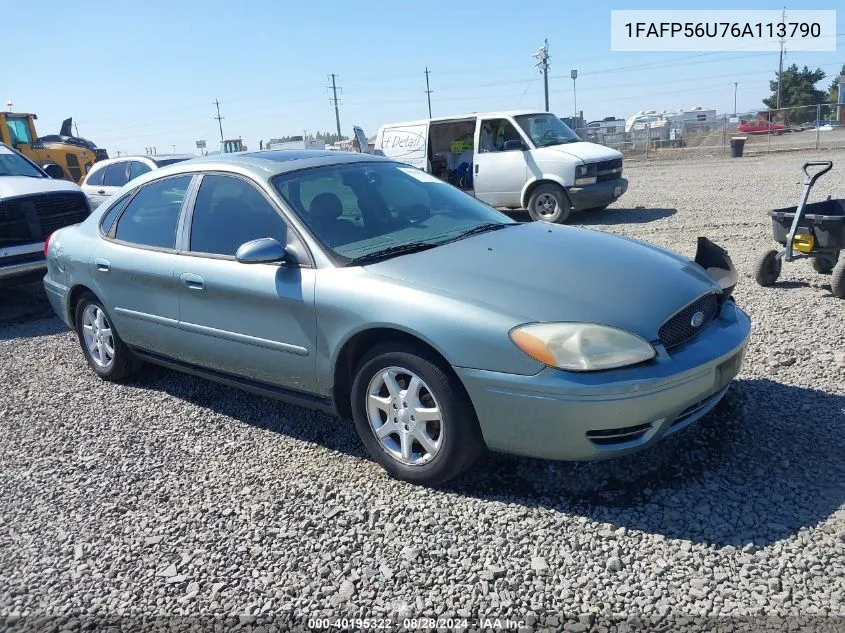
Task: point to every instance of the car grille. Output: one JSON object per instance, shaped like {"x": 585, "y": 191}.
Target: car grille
{"x": 680, "y": 329}
{"x": 609, "y": 170}
{"x": 32, "y": 218}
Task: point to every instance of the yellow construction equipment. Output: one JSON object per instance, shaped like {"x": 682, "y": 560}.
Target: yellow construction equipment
{"x": 73, "y": 155}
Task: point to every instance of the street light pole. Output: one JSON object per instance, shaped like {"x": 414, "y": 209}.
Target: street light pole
{"x": 574, "y": 75}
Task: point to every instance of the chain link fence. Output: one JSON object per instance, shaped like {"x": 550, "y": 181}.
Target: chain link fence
{"x": 807, "y": 127}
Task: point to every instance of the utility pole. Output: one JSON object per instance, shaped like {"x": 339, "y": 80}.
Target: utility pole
{"x": 334, "y": 100}
{"x": 543, "y": 64}
{"x": 219, "y": 118}
{"x": 735, "y": 85}
{"x": 574, "y": 75}
{"x": 174, "y": 149}
{"x": 428, "y": 91}
{"x": 780, "y": 63}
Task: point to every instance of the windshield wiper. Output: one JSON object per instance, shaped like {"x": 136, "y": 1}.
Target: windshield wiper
{"x": 481, "y": 228}
{"x": 391, "y": 251}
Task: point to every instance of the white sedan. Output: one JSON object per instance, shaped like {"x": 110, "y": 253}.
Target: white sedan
{"x": 108, "y": 176}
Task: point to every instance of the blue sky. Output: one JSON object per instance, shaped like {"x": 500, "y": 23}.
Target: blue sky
{"x": 134, "y": 75}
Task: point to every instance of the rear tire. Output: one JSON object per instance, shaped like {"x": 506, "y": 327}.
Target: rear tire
{"x": 837, "y": 280}
{"x": 395, "y": 380}
{"x": 824, "y": 265}
{"x": 767, "y": 268}
{"x": 104, "y": 350}
{"x": 549, "y": 203}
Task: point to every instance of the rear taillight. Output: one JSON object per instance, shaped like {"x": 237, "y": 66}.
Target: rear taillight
{"x": 47, "y": 244}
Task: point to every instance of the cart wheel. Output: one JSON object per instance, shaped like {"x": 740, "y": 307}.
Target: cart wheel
{"x": 837, "y": 280}
{"x": 767, "y": 268}
{"x": 825, "y": 265}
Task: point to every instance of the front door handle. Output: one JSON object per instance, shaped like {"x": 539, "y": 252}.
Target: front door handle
{"x": 194, "y": 282}
{"x": 476, "y": 168}
{"x": 102, "y": 265}
{"x": 102, "y": 192}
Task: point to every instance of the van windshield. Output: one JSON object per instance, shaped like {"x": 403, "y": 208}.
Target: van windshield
{"x": 546, "y": 129}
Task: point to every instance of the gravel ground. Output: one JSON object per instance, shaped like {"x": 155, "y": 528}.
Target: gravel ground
{"x": 172, "y": 497}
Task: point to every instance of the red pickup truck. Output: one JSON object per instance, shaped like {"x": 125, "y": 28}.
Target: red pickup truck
{"x": 761, "y": 126}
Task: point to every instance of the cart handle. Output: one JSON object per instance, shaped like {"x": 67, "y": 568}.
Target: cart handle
{"x": 811, "y": 180}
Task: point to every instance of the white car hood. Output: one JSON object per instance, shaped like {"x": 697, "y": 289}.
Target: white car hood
{"x": 13, "y": 186}
{"x": 587, "y": 152}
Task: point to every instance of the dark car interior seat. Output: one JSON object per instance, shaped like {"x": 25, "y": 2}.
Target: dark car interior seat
{"x": 324, "y": 218}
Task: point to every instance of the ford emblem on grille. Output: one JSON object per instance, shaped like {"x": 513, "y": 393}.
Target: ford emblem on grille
{"x": 697, "y": 319}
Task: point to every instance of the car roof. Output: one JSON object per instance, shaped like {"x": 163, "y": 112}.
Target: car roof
{"x": 472, "y": 115}
{"x": 275, "y": 161}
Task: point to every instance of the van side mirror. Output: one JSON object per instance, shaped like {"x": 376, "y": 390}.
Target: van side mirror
{"x": 265, "y": 250}
{"x": 514, "y": 145}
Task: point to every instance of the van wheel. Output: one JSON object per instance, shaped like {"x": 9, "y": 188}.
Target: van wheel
{"x": 548, "y": 203}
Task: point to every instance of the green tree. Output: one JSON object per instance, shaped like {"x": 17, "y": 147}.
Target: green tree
{"x": 833, "y": 91}
{"x": 798, "y": 88}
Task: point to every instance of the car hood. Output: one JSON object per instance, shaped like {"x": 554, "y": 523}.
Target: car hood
{"x": 587, "y": 152}
{"x": 13, "y": 186}
{"x": 538, "y": 272}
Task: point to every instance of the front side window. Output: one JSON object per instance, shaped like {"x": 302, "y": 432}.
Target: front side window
{"x": 115, "y": 175}
{"x": 136, "y": 168}
{"x": 546, "y": 129}
{"x": 495, "y": 133}
{"x": 13, "y": 164}
{"x": 151, "y": 217}
{"x": 229, "y": 212}
{"x": 359, "y": 210}
{"x": 95, "y": 177}
{"x": 18, "y": 131}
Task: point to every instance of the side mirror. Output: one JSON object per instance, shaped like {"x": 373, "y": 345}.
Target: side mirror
{"x": 514, "y": 145}
{"x": 265, "y": 250}
{"x": 54, "y": 171}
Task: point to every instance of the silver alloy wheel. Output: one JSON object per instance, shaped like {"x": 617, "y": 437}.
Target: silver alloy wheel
{"x": 404, "y": 416}
{"x": 546, "y": 205}
{"x": 96, "y": 331}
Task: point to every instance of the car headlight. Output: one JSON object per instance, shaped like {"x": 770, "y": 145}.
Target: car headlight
{"x": 581, "y": 346}
{"x": 585, "y": 175}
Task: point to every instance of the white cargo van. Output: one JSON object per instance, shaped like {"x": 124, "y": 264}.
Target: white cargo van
{"x": 513, "y": 160}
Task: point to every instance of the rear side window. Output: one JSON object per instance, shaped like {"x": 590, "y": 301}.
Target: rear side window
{"x": 95, "y": 178}
{"x": 136, "y": 168}
{"x": 111, "y": 215}
{"x": 151, "y": 217}
{"x": 115, "y": 175}
{"x": 229, "y": 212}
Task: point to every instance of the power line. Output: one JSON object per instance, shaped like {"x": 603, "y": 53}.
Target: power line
{"x": 219, "y": 118}
{"x": 428, "y": 91}
{"x": 335, "y": 101}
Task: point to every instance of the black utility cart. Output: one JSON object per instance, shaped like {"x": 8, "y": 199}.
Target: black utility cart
{"x": 814, "y": 231}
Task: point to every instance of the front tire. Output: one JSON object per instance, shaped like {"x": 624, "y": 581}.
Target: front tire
{"x": 767, "y": 268}
{"x": 413, "y": 415}
{"x": 104, "y": 350}
{"x": 548, "y": 203}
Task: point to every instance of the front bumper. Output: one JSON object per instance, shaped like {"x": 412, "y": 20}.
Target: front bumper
{"x": 597, "y": 195}
{"x": 575, "y": 416}
{"x": 22, "y": 263}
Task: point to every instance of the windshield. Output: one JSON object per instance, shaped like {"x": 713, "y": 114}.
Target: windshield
{"x": 12, "y": 164}
{"x": 546, "y": 129}
{"x": 359, "y": 210}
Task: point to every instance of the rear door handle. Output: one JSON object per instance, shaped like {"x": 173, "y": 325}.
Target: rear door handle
{"x": 102, "y": 265}
{"x": 194, "y": 282}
